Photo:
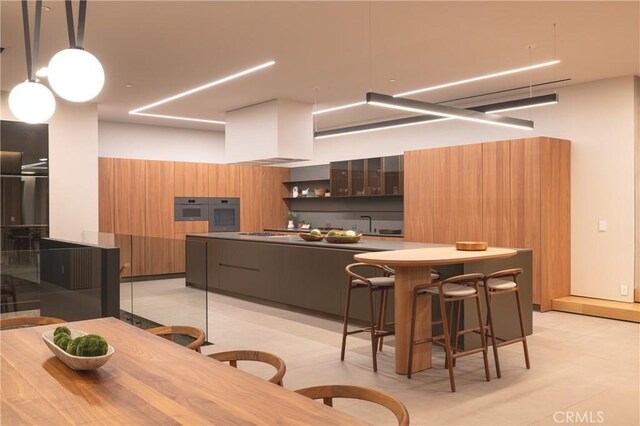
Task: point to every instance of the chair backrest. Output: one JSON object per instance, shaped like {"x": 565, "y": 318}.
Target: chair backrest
{"x": 170, "y": 331}
{"x": 123, "y": 268}
{"x": 328, "y": 392}
{"x": 350, "y": 270}
{"x": 7, "y": 323}
{"x": 464, "y": 279}
{"x": 513, "y": 273}
{"x": 275, "y": 361}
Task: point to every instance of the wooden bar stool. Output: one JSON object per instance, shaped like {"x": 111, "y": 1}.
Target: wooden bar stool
{"x": 373, "y": 285}
{"x": 499, "y": 283}
{"x": 454, "y": 290}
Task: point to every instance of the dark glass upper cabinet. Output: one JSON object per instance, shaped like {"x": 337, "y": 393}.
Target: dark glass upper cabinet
{"x": 393, "y": 172}
{"x": 357, "y": 176}
{"x": 374, "y": 176}
{"x": 339, "y": 178}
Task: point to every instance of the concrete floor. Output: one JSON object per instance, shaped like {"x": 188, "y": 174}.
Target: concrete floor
{"x": 584, "y": 369}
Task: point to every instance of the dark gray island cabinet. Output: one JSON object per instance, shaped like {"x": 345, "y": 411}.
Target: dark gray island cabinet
{"x": 290, "y": 272}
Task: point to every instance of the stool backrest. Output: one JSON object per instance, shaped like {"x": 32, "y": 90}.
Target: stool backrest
{"x": 232, "y": 357}
{"x": 328, "y": 392}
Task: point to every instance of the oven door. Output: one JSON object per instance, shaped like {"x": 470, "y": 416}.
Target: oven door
{"x": 189, "y": 212}
{"x": 224, "y": 218}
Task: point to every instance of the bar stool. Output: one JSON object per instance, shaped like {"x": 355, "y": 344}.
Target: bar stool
{"x": 380, "y": 285}
{"x": 499, "y": 283}
{"x": 454, "y": 290}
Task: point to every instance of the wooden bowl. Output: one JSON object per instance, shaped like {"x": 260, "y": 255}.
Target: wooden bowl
{"x": 308, "y": 237}
{"x": 342, "y": 240}
{"x": 76, "y": 362}
{"x": 471, "y": 245}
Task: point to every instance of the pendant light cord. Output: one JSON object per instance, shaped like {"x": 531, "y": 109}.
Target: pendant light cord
{"x": 31, "y": 55}
{"x": 370, "y": 50}
{"x": 76, "y": 42}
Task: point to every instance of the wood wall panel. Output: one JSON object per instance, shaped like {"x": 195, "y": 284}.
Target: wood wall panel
{"x": 525, "y": 202}
{"x": 159, "y": 221}
{"x": 555, "y": 226}
{"x": 273, "y": 209}
{"x": 224, "y": 180}
{"x": 191, "y": 179}
{"x": 511, "y": 193}
{"x": 130, "y": 208}
{"x": 250, "y": 198}
{"x": 130, "y": 204}
{"x": 159, "y": 199}
{"x": 496, "y": 193}
{"x": 106, "y": 194}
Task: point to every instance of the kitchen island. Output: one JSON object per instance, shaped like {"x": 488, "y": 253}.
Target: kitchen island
{"x": 286, "y": 271}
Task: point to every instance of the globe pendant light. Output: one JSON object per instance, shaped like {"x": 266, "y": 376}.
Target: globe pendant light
{"x": 75, "y": 74}
{"x": 30, "y": 101}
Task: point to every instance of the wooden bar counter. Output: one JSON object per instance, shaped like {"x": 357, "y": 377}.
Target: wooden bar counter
{"x": 148, "y": 380}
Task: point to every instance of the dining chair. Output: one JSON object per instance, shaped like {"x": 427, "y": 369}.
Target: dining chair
{"x": 329, "y": 392}
{"x": 265, "y": 357}
{"x": 381, "y": 284}
{"x": 455, "y": 291}
{"x": 496, "y": 284}
{"x": 171, "y": 331}
{"x": 20, "y": 322}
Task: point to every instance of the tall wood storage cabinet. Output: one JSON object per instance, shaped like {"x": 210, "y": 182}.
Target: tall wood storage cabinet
{"x": 513, "y": 193}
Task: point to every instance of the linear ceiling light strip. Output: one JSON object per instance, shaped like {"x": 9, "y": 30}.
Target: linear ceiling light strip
{"x": 423, "y": 119}
{"x": 474, "y": 79}
{"x": 522, "y": 69}
{"x": 411, "y": 105}
{"x": 534, "y": 101}
{"x": 203, "y": 87}
{"x": 174, "y": 117}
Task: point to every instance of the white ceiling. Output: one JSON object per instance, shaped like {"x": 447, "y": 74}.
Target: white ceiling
{"x": 165, "y": 47}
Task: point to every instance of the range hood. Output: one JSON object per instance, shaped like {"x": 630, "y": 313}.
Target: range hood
{"x": 272, "y": 132}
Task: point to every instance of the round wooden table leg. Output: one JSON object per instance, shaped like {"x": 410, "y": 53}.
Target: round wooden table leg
{"x": 406, "y": 279}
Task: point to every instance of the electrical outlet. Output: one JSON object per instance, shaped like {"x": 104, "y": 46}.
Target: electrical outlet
{"x": 602, "y": 225}
{"x": 624, "y": 290}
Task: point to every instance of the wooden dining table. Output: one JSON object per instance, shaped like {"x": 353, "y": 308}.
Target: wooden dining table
{"x": 413, "y": 267}
{"x": 149, "y": 380}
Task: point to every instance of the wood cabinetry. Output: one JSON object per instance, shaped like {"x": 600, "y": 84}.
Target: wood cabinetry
{"x": 136, "y": 202}
{"x": 511, "y": 193}
{"x": 261, "y": 197}
{"x": 106, "y": 194}
{"x": 224, "y": 180}
{"x": 191, "y": 180}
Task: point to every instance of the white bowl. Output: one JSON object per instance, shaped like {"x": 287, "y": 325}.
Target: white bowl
{"x": 76, "y": 362}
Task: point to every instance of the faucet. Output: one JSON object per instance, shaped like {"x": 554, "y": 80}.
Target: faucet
{"x": 368, "y": 217}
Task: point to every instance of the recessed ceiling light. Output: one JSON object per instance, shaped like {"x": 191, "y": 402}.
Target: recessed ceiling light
{"x": 46, "y": 8}
{"x": 42, "y": 72}
{"x": 128, "y": 85}
{"x": 392, "y": 80}
{"x": 138, "y": 111}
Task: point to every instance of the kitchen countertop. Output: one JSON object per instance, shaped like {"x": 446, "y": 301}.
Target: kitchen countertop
{"x": 362, "y": 245}
{"x": 368, "y": 234}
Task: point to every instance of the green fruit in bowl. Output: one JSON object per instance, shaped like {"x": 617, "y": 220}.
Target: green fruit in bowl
{"x": 62, "y": 330}
{"x": 315, "y": 232}
{"x": 333, "y": 233}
